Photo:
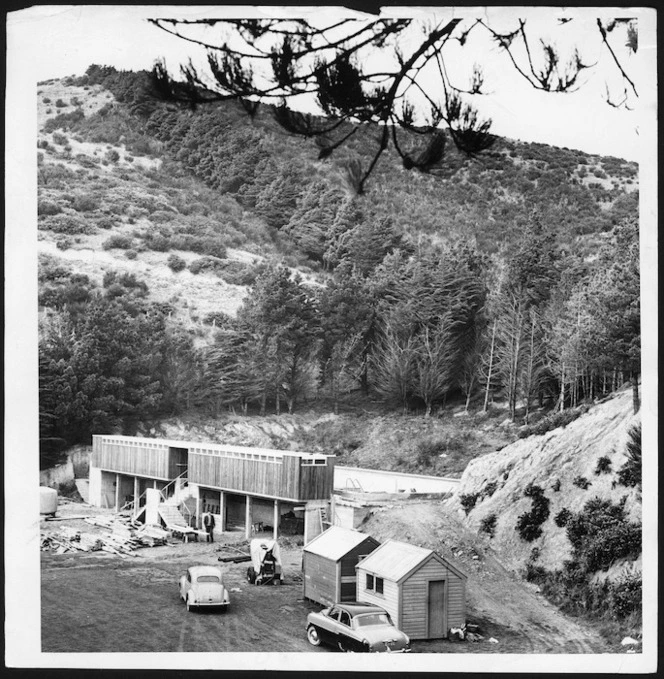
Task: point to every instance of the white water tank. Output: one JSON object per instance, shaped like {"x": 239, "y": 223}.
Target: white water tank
{"x": 48, "y": 500}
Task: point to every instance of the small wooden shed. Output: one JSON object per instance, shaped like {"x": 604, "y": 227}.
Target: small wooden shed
{"x": 329, "y": 561}
{"x": 424, "y": 593}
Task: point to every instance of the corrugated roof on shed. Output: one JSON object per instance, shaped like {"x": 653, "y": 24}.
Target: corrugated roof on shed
{"x": 394, "y": 560}
{"x": 335, "y": 542}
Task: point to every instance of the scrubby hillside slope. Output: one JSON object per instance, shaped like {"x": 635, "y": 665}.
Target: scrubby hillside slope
{"x": 564, "y": 463}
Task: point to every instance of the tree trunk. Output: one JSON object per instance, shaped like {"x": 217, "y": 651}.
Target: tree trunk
{"x": 635, "y": 394}
{"x": 562, "y": 389}
{"x": 488, "y": 378}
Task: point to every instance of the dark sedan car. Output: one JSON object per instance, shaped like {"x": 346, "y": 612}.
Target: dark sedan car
{"x": 356, "y": 627}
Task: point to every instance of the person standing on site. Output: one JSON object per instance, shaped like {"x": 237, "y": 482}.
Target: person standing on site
{"x": 208, "y": 524}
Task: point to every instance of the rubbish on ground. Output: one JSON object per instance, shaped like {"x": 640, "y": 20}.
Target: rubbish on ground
{"x": 473, "y": 636}
{"x": 493, "y": 641}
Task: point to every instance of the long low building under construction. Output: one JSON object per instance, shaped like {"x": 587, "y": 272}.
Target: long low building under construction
{"x": 252, "y": 487}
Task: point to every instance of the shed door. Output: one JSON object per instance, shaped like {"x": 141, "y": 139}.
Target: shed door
{"x": 437, "y": 609}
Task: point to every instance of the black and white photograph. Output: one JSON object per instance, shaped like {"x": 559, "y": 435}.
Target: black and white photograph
{"x": 331, "y": 338}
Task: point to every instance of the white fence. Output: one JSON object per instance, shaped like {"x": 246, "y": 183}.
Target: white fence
{"x": 374, "y": 481}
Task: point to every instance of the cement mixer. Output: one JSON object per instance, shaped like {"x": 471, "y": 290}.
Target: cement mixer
{"x": 265, "y": 566}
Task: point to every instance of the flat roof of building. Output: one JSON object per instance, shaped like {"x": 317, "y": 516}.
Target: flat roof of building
{"x": 208, "y": 446}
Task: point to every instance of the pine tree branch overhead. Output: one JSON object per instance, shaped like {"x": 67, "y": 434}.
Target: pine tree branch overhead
{"x": 394, "y": 73}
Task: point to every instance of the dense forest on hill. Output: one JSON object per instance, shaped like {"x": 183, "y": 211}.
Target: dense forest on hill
{"x": 512, "y": 275}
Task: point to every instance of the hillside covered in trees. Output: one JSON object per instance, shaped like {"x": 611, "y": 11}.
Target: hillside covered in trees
{"x": 508, "y": 277}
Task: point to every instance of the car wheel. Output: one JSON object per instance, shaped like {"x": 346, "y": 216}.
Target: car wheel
{"x": 312, "y": 636}
{"x": 344, "y": 648}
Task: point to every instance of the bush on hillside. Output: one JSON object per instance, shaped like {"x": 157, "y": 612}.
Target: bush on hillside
{"x": 626, "y": 596}
{"x": 105, "y": 222}
{"x": 559, "y": 419}
{"x": 48, "y": 207}
{"x": 162, "y": 217}
{"x": 603, "y": 465}
{"x": 176, "y": 263}
{"x": 600, "y": 534}
{"x": 630, "y": 473}
{"x": 51, "y": 270}
{"x": 157, "y": 242}
{"x": 64, "y": 121}
{"x": 118, "y": 241}
{"x": 87, "y": 161}
{"x": 71, "y": 225}
{"x": 489, "y": 489}
{"x": 85, "y": 202}
{"x": 64, "y": 243}
{"x": 562, "y": 518}
{"x": 581, "y": 482}
{"x": 468, "y": 501}
{"x": 207, "y": 265}
{"x": 529, "y": 524}
{"x": 488, "y": 525}
{"x": 203, "y": 245}
{"x": 571, "y": 590}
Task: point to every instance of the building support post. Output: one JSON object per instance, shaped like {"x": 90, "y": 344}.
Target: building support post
{"x": 222, "y": 510}
{"x": 275, "y": 520}
{"x": 117, "y": 492}
{"x": 137, "y": 488}
{"x": 247, "y": 518}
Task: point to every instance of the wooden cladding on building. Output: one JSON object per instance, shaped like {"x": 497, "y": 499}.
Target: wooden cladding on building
{"x": 283, "y": 477}
{"x": 137, "y": 458}
{"x": 262, "y": 472}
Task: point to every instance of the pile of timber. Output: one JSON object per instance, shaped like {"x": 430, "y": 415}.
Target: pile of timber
{"x": 120, "y": 537}
{"x": 232, "y": 555}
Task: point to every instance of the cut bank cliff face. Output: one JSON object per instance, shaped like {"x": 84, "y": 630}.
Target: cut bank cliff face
{"x": 552, "y": 461}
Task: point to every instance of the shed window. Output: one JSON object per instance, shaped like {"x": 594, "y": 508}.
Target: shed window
{"x": 374, "y": 584}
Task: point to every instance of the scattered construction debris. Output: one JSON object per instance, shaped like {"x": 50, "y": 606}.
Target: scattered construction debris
{"x": 119, "y": 537}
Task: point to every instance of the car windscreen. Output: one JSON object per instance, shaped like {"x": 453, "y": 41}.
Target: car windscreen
{"x": 207, "y": 578}
{"x": 371, "y": 619}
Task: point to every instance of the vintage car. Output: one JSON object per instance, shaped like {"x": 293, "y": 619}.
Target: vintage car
{"x": 203, "y": 586}
{"x": 356, "y": 627}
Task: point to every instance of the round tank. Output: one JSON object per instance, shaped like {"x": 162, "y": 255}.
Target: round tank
{"x": 48, "y": 500}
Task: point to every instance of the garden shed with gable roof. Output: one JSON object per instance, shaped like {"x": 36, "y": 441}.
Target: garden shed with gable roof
{"x": 329, "y": 561}
{"x": 424, "y": 593}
